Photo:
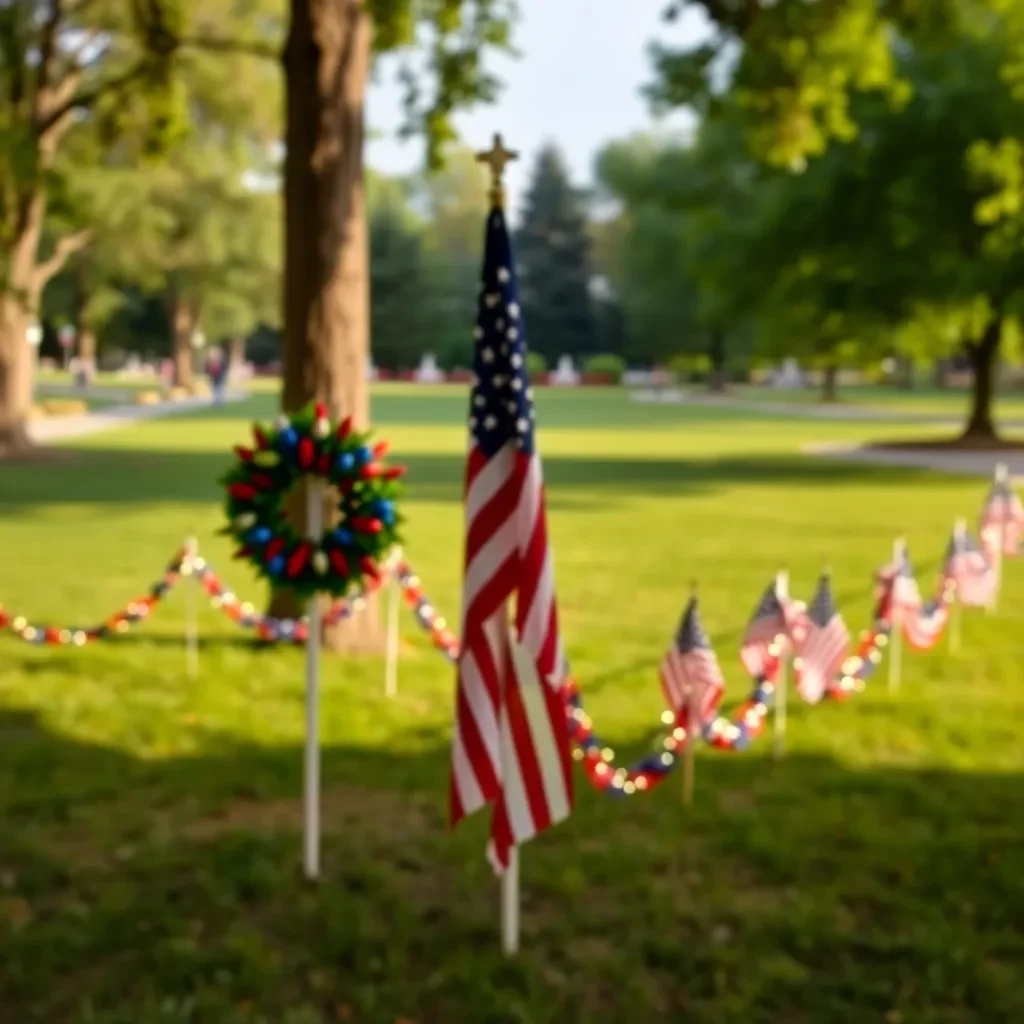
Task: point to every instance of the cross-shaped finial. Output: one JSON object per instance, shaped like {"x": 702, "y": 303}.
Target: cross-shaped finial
{"x": 496, "y": 158}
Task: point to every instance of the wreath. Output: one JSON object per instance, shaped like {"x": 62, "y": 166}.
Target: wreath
{"x": 309, "y": 446}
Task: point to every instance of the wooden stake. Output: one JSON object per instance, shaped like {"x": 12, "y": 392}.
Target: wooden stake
{"x": 956, "y": 608}
{"x": 782, "y": 680}
{"x": 391, "y": 665}
{"x": 311, "y": 779}
{"x": 191, "y": 615}
{"x": 692, "y": 732}
{"x": 896, "y": 633}
{"x": 1001, "y": 476}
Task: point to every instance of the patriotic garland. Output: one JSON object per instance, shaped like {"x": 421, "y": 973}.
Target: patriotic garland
{"x": 309, "y": 446}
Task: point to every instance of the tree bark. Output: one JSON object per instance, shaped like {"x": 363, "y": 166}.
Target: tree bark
{"x": 830, "y": 384}
{"x": 182, "y": 317}
{"x": 326, "y": 275}
{"x": 716, "y": 354}
{"x": 15, "y": 377}
{"x": 982, "y": 354}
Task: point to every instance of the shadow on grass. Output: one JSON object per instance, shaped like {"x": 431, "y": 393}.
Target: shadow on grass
{"x": 140, "y": 477}
{"x": 799, "y": 891}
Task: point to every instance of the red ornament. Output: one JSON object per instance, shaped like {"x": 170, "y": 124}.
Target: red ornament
{"x": 371, "y": 470}
{"x": 380, "y": 449}
{"x": 241, "y": 491}
{"x": 274, "y": 547}
{"x": 344, "y": 428}
{"x": 364, "y": 525}
{"x": 306, "y": 452}
{"x": 245, "y": 454}
{"x": 261, "y": 439}
{"x": 339, "y": 561}
{"x": 323, "y": 465}
{"x": 261, "y": 481}
{"x": 53, "y": 636}
{"x": 298, "y": 559}
{"x": 369, "y": 567}
{"x": 394, "y": 472}
{"x": 320, "y": 411}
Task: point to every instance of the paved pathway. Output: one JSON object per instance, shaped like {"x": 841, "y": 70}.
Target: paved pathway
{"x": 960, "y": 462}
{"x": 63, "y": 428}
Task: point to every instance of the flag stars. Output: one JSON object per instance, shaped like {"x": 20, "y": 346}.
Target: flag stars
{"x": 522, "y": 424}
{"x": 478, "y": 332}
{"x": 490, "y": 422}
{"x": 479, "y": 401}
{"x": 487, "y": 354}
{"x": 517, "y": 360}
{"x": 503, "y": 275}
{"x": 513, "y": 310}
{"x": 517, "y": 384}
{"x": 492, "y": 300}
{"x": 512, "y": 333}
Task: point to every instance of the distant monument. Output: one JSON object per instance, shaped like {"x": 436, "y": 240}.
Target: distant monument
{"x": 371, "y": 370}
{"x": 566, "y": 374}
{"x": 428, "y": 373}
{"x": 789, "y": 375}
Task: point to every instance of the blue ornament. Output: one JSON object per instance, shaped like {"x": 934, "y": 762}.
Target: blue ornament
{"x": 346, "y": 462}
{"x": 384, "y": 511}
{"x": 363, "y": 456}
{"x": 289, "y": 438}
{"x": 343, "y": 537}
{"x": 258, "y": 535}
{"x": 276, "y": 565}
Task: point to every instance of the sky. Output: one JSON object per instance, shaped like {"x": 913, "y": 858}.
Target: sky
{"x": 577, "y": 82}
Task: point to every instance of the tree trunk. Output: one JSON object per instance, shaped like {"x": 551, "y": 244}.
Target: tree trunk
{"x": 982, "y": 354}
{"x": 84, "y": 332}
{"x": 326, "y": 275}
{"x": 182, "y": 319}
{"x": 236, "y": 357}
{"x": 86, "y": 344}
{"x": 15, "y": 376}
{"x": 905, "y": 379}
{"x": 716, "y": 353}
{"x": 830, "y": 384}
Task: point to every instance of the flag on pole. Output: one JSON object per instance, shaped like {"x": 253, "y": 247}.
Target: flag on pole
{"x": 898, "y": 576}
{"x": 773, "y": 621}
{"x": 511, "y": 741}
{"x": 690, "y": 674}
{"x": 967, "y": 568}
{"x": 1002, "y": 519}
{"x": 823, "y": 649}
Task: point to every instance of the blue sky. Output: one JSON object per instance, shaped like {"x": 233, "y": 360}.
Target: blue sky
{"x": 577, "y": 82}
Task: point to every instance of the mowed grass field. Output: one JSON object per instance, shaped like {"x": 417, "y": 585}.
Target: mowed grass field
{"x": 149, "y": 822}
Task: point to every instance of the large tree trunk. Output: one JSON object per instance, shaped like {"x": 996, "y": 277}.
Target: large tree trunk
{"x": 326, "y": 275}
{"x": 182, "y": 318}
{"x": 716, "y": 353}
{"x": 982, "y": 354}
{"x": 830, "y": 384}
{"x": 15, "y": 376}
{"x": 85, "y": 334}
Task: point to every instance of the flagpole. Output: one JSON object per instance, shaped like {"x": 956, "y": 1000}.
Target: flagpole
{"x": 496, "y": 158}
{"x": 782, "y": 680}
{"x": 314, "y": 630}
{"x": 692, "y": 732}
{"x": 956, "y": 609}
{"x": 1001, "y": 477}
{"x": 896, "y": 633}
{"x": 391, "y": 666}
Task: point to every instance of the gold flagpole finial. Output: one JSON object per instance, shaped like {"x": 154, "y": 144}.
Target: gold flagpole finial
{"x": 496, "y": 158}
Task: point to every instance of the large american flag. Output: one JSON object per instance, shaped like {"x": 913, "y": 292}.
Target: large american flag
{"x": 511, "y": 742}
{"x": 771, "y": 622}
{"x": 690, "y": 674}
{"x": 823, "y": 649}
{"x": 969, "y": 570}
{"x": 1002, "y": 519}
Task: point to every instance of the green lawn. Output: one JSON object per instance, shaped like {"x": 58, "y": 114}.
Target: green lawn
{"x": 149, "y": 844}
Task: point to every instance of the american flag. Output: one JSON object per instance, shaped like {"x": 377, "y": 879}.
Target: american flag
{"x": 823, "y": 649}
{"x": 511, "y": 742}
{"x": 1002, "y": 519}
{"x": 773, "y": 619}
{"x": 968, "y": 569}
{"x": 906, "y": 595}
{"x": 689, "y": 671}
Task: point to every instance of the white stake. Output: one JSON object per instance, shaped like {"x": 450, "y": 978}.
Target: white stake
{"x": 311, "y": 791}
{"x": 510, "y": 905}
{"x": 191, "y": 624}
{"x": 782, "y": 681}
{"x": 391, "y": 667}
{"x": 1001, "y": 476}
{"x": 956, "y": 609}
{"x": 896, "y": 633}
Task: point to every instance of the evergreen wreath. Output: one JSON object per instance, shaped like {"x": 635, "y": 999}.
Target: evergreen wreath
{"x": 308, "y": 445}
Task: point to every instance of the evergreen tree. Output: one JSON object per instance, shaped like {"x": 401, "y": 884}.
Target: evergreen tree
{"x": 554, "y": 264}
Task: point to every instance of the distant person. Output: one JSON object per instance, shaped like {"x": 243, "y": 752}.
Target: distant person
{"x": 217, "y": 372}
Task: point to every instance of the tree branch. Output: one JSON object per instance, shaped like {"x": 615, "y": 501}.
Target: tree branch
{"x": 85, "y": 99}
{"x": 246, "y": 47}
{"x": 65, "y": 248}
{"x": 47, "y": 46}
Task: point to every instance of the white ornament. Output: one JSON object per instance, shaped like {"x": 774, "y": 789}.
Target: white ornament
{"x": 321, "y": 563}
{"x": 321, "y": 427}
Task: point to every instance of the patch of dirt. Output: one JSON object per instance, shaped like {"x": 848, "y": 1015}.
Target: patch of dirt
{"x": 37, "y": 455}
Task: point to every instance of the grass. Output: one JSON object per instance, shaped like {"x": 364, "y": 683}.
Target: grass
{"x": 149, "y": 848}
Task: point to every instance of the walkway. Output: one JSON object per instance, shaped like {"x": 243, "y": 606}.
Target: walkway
{"x": 965, "y": 463}
{"x": 64, "y": 428}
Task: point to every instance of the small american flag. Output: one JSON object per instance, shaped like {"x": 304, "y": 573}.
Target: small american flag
{"x": 823, "y": 649}
{"x": 969, "y": 571}
{"x": 771, "y": 622}
{"x": 690, "y": 675}
{"x": 1002, "y": 519}
{"x": 511, "y": 742}
{"x": 906, "y": 595}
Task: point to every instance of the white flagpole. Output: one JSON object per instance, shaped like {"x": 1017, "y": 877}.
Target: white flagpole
{"x": 956, "y": 609}
{"x": 510, "y": 905}
{"x": 191, "y": 624}
{"x": 896, "y": 633}
{"x": 692, "y": 731}
{"x": 1001, "y": 475}
{"x": 314, "y": 629}
{"x": 782, "y": 680}
{"x": 391, "y": 666}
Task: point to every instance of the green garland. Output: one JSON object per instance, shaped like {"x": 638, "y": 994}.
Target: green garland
{"x": 308, "y": 445}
